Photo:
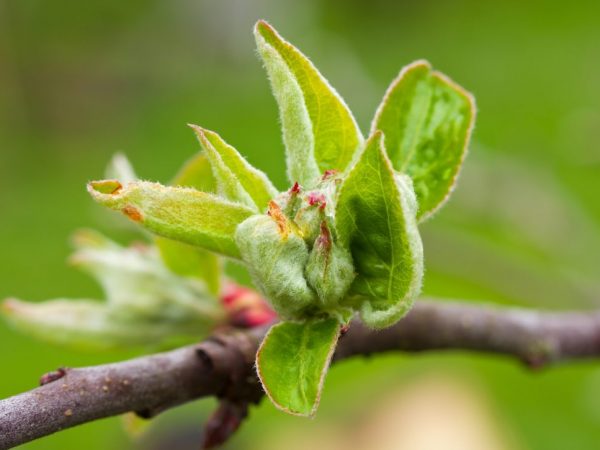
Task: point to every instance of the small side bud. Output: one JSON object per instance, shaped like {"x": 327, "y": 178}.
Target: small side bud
{"x": 329, "y": 270}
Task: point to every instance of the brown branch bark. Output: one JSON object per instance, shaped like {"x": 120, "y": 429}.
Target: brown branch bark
{"x": 222, "y": 366}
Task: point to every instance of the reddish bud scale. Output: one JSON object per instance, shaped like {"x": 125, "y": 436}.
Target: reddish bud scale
{"x": 328, "y": 174}
{"x": 324, "y": 239}
{"x": 295, "y": 189}
{"x": 275, "y": 212}
{"x": 316, "y": 198}
{"x": 245, "y": 307}
{"x": 53, "y": 376}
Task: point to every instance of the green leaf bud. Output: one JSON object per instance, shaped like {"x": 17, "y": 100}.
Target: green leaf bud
{"x": 329, "y": 270}
{"x": 276, "y": 255}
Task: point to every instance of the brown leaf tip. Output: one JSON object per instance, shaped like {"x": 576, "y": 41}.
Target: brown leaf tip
{"x": 110, "y": 187}
{"x": 275, "y": 212}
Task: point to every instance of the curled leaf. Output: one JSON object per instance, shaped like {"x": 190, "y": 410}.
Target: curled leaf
{"x": 183, "y": 214}
{"x": 293, "y": 360}
{"x": 137, "y": 283}
{"x": 376, "y": 220}
{"x": 319, "y": 130}
{"x": 184, "y": 259}
{"x": 237, "y": 179}
{"x": 427, "y": 120}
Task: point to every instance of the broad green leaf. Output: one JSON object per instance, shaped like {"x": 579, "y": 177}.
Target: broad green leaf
{"x": 376, "y": 219}
{"x": 319, "y": 130}
{"x": 427, "y": 120}
{"x": 183, "y": 214}
{"x": 184, "y": 259}
{"x": 237, "y": 180}
{"x": 292, "y": 362}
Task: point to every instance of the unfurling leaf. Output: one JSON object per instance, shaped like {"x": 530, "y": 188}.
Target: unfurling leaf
{"x": 376, "y": 219}
{"x": 292, "y": 362}
{"x": 237, "y": 180}
{"x": 319, "y": 131}
{"x": 183, "y": 214}
{"x": 137, "y": 284}
{"x": 427, "y": 121}
{"x": 89, "y": 325}
{"x": 184, "y": 259}
{"x": 146, "y": 304}
{"x": 276, "y": 255}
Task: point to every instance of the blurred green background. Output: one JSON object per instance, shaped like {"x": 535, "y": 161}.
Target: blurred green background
{"x": 82, "y": 80}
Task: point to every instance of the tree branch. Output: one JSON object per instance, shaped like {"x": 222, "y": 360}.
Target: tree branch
{"x": 222, "y": 366}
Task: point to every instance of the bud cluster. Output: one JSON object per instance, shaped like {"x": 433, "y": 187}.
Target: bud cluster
{"x": 293, "y": 255}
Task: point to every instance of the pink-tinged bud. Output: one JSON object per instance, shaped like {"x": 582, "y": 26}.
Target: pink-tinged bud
{"x": 324, "y": 239}
{"x": 328, "y": 174}
{"x": 53, "y": 376}
{"x": 316, "y": 198}
{"x": 245, "y": 307}
{"x": 223, "y": 423}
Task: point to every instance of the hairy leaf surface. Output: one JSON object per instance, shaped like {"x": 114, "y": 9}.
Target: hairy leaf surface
{"x": 319, "y": 130}
{"x": 376, "y": 219}
{"x": 292, "y": 362}
{"x": 184, "y": 259}
{"x": 427, "y": 121}
{"x": 236, "y": 178}
{"x": 183, "y": 214}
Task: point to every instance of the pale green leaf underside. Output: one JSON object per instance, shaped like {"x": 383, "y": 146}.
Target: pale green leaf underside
{"x": 182, "y": 214}
{"x": 184, "y": 259}
{"x": 90, "y": 325}
{"x": 292, "y": 362}
{"x": 427, "y": 121}
{"x": 236, "y": 178}
{"x": 319, "y": 130}
{"x": 375, "y": 218}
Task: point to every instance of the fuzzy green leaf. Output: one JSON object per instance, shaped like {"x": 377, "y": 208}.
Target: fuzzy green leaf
{"x": 319, "y": 130}
{"x": 237, "y": 180}
{"x": 427, "y": 121}
{"x": 292, "y": 362}
{"x": 183, "y": 214}
{"x": 376, "y": 219}
{"x": 184, "y": 259}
